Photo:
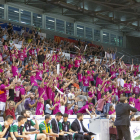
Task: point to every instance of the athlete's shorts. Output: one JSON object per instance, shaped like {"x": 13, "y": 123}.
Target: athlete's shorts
{"x": 2, "y": 106}
{"x": 33, "y": 136}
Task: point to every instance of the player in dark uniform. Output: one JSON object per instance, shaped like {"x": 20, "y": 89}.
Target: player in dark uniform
{"x": 6, "y": 129}
{"x": 34, "y": 135}
{"x": 65, "y": 126}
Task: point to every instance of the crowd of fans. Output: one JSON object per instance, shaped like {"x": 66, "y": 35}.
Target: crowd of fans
{"x": 30, "y": 78}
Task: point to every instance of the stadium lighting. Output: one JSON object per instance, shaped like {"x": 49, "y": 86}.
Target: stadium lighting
{"x": 80, "y": 28}
{"x": 38, "y": 17}
{"x": 1, "y": 8}
{"x": 51, "y": 20}
{"x": 104, "y": 34}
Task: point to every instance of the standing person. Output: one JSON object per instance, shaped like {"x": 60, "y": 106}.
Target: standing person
{"x": 77, "y": 125}
{"x": 122, "y": 121}
{"x": 65, "y": 126}
{"x": 34, "y": 135}
{"x": 55, "y": 126}
{"x": 46, "y": 128}
{"x": 137, "y": 104}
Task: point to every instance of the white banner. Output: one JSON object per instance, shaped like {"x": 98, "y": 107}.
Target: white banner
{"x": 135, "y": 130}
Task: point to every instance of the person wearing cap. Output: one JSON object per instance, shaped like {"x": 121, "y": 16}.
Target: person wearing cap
{"x": 122, "y": 121}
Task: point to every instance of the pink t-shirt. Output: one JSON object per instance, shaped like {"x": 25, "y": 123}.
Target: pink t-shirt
{"x": 12, "y": 56}
{"x": 115, "y": 91}
{"x": 33, "y": 80}
{"x": 131, "y": 100}
{"x": 70, "y": 66}
{"x": 98, "y": 94}
{"x": 98, "y": 81}
{"x": 25, "y": 53}
{"x": 14, "y": 71}
{"x": 111, "y": 112}
{"x": 136, "y": 90}
{"x": 113, "y": 74}
{"x": 77, "y": 63}
{"x": 80, "y": 77}
{"x": 86, "y": 80}
{"x": 39, "y": 74}
{"x": 90, "y": 94}
{"x": 40, "y": 91}
{"x": 32, "y": 52}
{"x": 69, "y": 112}
{"x": 83, "y": 109}
{"x": 49, "y": 93}
{"x": 128, "y": 87}
{"x": 21, "y": 55}
{"x": 100, "y": 104}
{"x": 137, "y": 104}
{"x": 39, "y": 108}
{"x": 3, "y": 95}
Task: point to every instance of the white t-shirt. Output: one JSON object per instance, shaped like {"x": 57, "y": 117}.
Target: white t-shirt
{"x": 47, "y": 110}
{"x": 62, "y": 109}
{"x": 71, "y": 96}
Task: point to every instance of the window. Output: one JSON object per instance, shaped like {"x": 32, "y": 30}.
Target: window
{"x": 37, "y": 20}
{"x": 80, "y": 31}
{"x": 60, "y": 26}
{"x": 25, "y": 17}
{"x": 50, "y": 23}
{"x": 89, "y": 33}
{"x": 97, "y": 35}
{"x": 105, "y": 37}
{"x": 120, "y": 41}
{"x": 2, "y": 11}
{"x": 69, "y": 28}
{"x": 13, "y": 14}
{"x": 113, "y": 39}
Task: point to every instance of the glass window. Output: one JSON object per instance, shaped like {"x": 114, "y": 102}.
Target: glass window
{"x": 60, "y": 26}
{"x": 69, "y": 28}
{"x": 50, "y": 23}
{"x": 2, "y": 11}
{"x": 37, "y": 20}
{"x": 80, "y": 31}
{"x": 105, "y": 37}
{"x": 113, "y": 39}
{"x": 13, "y": 14}
{"x": 89, "y": 33}
{"x": 120, "y": 41}
{"x": 25, "y": 17}
{"x": 97, "y": 35}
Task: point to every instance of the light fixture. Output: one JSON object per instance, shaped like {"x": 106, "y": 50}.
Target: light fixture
{"x": 39, "y": 17}
{"x": 104, "y": 34}
{"x": 51, "y": 20}
{"x": 80, "y": 28}
{"x": 49, "y": 28}
{"x": 23, "y": 22}
{"x": 1, "y": 8}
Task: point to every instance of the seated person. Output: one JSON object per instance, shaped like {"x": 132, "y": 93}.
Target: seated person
{"x": 6, "y": 129}
{"x": 65, "y": 126}
{"x": 77, "y": 125}
{"x": 19, "y": 129}
{"x": 29, "y": 122}
{"x": 46, "y": 128}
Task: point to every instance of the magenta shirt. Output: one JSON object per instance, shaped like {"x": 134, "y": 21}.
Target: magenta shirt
{"x": 115, "y": 91}
{"x": 33, "y": 80}
{"x": 98, "y": 81}
{"x": 98, "y": 94}
{"x": 77, "y": 63}
{"x": 3, "y": 96}
{"x": 113, "y": 74}
{"x": 83, "y": 109}
{"x": 40, "y": 91}
{"x": 80, "y": 77}
{"x": 90, "y": 94}
{"x": 136, "y": 90}
{"x": 69, "y": 112}
{"x": 128, "y": 87}
{"x": 86, "y": 80}
{"x": 70, "y": 66}
{"x": 39, "y": 74}
{"x": 131, "y": 100}
{"x": 21, "y": 55}
{"x": 100, "y": 104}
{"x": 32, "y": 52}
{"x": 39, "y": 108}
{"x": 14, "y": 71}
{"x": 111, "y": 112}
{"x": 137, "y": 104}
{"x": 25, "y": 53}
